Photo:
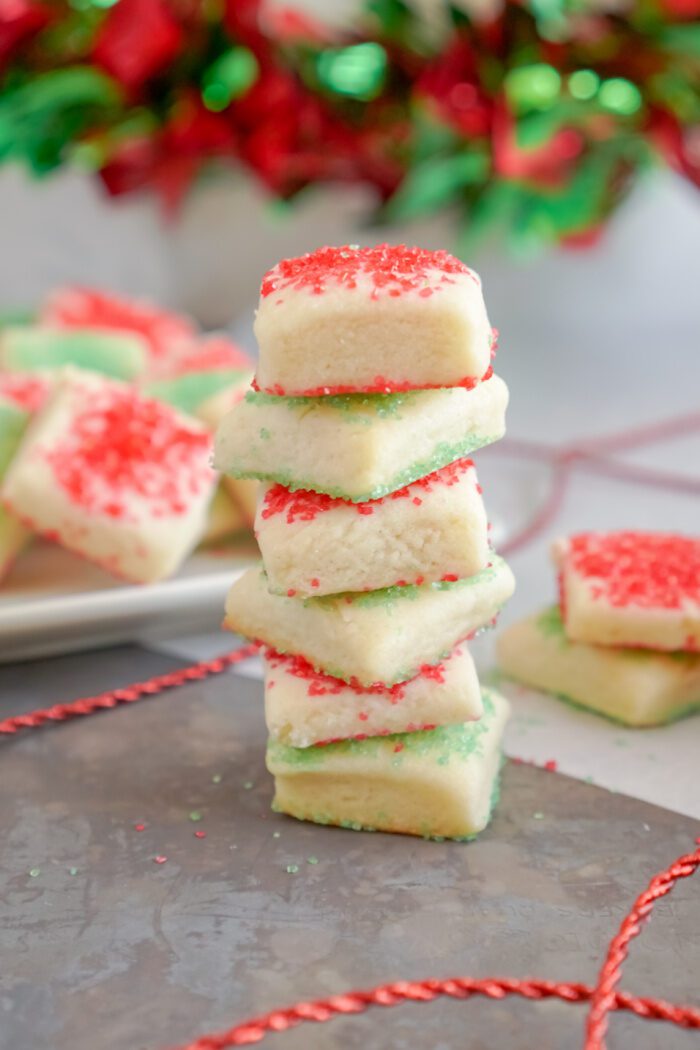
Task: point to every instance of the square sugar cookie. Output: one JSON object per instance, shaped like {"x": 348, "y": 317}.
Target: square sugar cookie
{"x": 441, "y": 783}
{"x": 121, "y": 479}
{"x": 434, "y": 529}
{"x": 382, "y": 636}
{"x": 358, "y": 447}
{"x": 373, "y": 320}
{"x": 304, "y": 707}
{"x": 638, "y": 687}
{"x": 639, "y": 589}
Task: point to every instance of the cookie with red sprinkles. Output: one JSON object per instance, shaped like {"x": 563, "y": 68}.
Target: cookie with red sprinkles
{"x": 433, "y": 529}
{"x": 304, "y": 707}
{"x": 631, "y": 588}
{"x": 383, "y": 319}
{"x": 120, "y": 478}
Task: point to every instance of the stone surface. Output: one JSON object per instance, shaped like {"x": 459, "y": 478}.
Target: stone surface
{"x": 131, "y": 953}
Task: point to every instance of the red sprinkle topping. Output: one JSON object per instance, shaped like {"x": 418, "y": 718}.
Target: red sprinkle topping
{"x": 305, "y": 505}
{"x": 216, "y": 354}
{"x": 85, "y": 307}
{"x": 643, "y": 569}
{"x": 25, "y": 391}
{"x": 320, "y": 684}
{"x": 122, "y": 447}
{"x": 392, "y": 268}
{"x": 379, "y": 385}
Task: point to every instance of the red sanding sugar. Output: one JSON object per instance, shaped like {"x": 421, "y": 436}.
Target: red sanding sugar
{"x": 122, "y": 447}
{"x": 644, "y": 569}
{"x": 305, "y": 505}
{"x": 395, "y": 269}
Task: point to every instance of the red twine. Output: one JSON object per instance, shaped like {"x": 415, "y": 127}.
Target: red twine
{"x": 594, "y": 455}
{"x": 128, "y": 695}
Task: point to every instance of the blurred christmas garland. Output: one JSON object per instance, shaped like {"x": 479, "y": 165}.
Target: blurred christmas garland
{"x": 534, "y": 114}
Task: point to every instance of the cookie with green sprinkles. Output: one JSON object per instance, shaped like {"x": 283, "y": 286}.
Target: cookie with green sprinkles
{"x": 358, "y": 447}
{"x": 439, "y": 783}
{"x": 120, "y": 355}
{"x": 636, "y": 687}
{"x": 376, "y": 636}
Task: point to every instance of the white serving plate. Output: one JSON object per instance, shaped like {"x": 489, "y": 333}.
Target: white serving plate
{"x": 55, "y": 602}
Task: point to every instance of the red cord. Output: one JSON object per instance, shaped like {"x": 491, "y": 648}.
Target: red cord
{"x": 603, "y": 998}
{"x": 138, "y": 691}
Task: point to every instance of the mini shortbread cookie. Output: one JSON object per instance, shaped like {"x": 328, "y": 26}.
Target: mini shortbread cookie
{"x": 433, "y": 529}
{"x": 121, "y": 479}
{"x": 304, "y": 707}
{"x": 638, "y": 687}
{"x": 381, "y": 636}
{"x": 358, "y": 447}
{"x": 381, "y": 319}
{"x": 121, "y": 355}
{"x": 213, "y": 367}
{"x": 166, "y": 334}
{"x": 640, "y": 589}
{"x": 442, "y": 783}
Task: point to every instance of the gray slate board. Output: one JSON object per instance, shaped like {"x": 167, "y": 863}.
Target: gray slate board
{"x": 127, "y": 954}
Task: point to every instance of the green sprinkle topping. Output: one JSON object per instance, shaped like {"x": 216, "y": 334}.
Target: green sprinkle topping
{"x": 264, "y": 434}
{"x": 389, "y": 595}
{"x": 443, "y": 454}
{"x": 443, "y": 744}
{"x": 292, "y": 869}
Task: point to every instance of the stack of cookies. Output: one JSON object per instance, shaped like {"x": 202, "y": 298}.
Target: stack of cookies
{"x": 374, "y": 386}
{"x": 625, "y": 638}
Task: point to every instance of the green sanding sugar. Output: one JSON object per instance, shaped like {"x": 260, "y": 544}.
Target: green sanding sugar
{"x": 120, "y": 355}
{"x": 187, "y": 392}
{"x": 389, "y": 595}
{"x": 442, "y": 454}
{"x": 443, "y": 744}
{"x": 380, "y": 406}
{"x": 13, "y": 421}
{"x": 550, "y": 623}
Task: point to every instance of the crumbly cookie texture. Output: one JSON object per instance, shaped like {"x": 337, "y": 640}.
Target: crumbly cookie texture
{"x": 304, "y": 707}
{"x": 440, "y": 783}
{"x": 121, "y": 355}
{"x": 121, "y": 479}
{"x": 433, "y": 529}
{"x": 638, "y": 687}
{"x": 381, "y": 319}
{"x": 358, "y": 447}
{"x": 639, "y": 589}
{"x": 382, "y": 636}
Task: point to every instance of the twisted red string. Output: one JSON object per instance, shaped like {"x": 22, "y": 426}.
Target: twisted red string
{"x": 603, "y": 998}
{"x": 128, "y": 695}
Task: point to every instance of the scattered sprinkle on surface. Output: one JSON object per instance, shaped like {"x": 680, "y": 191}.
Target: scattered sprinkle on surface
{"x": 34, "y": 872}
{"x": 72, "y": 871}
{"x": 292, "y": 869}
{"x": 216, "y": 779}
{"x": 312, "y": 860}
{"x": 159, "y": 860}
{"x": 139, "y": 827}
{"x": 248, "y": 785}
{"x": 538, "y": 815}
{"x": 200, "y": 834}
{"x": 195, "y": 815}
